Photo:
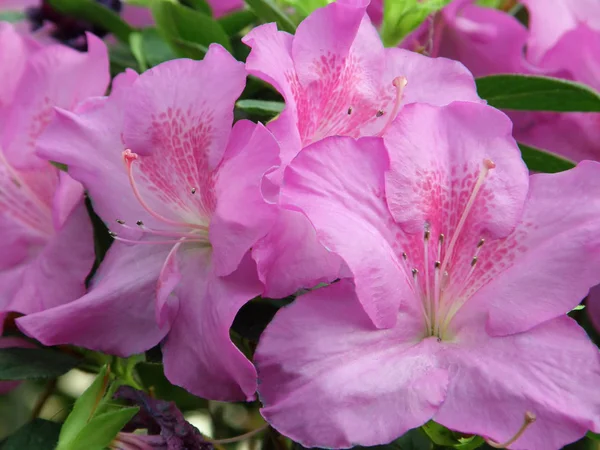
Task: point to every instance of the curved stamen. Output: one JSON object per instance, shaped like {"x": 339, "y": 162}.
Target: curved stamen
{"x": 529, "y": 419}
{"x": 488, "y": 165}
{"x": 399, "y": 83}
{"x": 152, "y": 231}
{"x": 172, "y": 241}
{"x": 129, "y": 157}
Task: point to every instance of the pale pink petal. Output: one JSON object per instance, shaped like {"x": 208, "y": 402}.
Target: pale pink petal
{"x": 117, "y": 315}
{"x": 55, "y": 76}
{"x": 242, "y": 216}
{"x": 328, "y": 378}
{"x": 18, "y": 4}
{"x": 437, "y": 157}
{"x": 436, "y": 81}
{"x": 549, "y": 20}
{"x": 553, "y": 371}
{"x": 198, "y": 352}
{"x": 338, "y": 183}
{"x": 15, "y": 50}
{"x": 57, "y": 274}
{"x": 290, "y": 257}
{"x": 550, "y": 261}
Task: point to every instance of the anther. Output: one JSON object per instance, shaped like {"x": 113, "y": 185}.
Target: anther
{"x": 139, "y": 223}
{"x": 120, "y": 222}
{"x": 438, "y": 264}
{"x": 529, "y": 419}
{"x": 379, "y": 113}
{"x": 350, "y": 110}
{"x": 415, "y": 272}
{"x": 441, "y": 238}
{"x": 112, "y": 234}
{"x": 427, "y": 234}
{"x": 489, "y": 164}
{"x": 474, "y": 261}
{"x": 404, "y": 256}
{"x": 399, "y": 83}
{"x": 193, "y": 190}
{"x": 480, "y": 243}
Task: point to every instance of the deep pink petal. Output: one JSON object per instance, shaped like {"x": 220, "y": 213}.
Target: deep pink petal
{"x": 117, "y": 315}
{"x": 552, "y": 371}
{"x": 550, "y": 261}
{"x": 222, "y": 7}
{"x": 291, "y": 257}
{"x": 323, "y": 368}
{"x": 242, "y": 216}
{"x": 198, "y": 352}
{"x": 338, "y": 183}
{"x": 55, "y": 76}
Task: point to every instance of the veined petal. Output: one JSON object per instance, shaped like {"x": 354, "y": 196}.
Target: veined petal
{"x": 550, "y": 261}
{"x": 198, "y": 352}
{"x": 117, "y": 315}
{"x": 323, "y": 367}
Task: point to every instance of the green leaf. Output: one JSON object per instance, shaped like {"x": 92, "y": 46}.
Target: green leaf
{"x": 490, "y": 3}
{"x": 235, "y": 22}
{"x": 533, "y": 93}
{"x": 32, "y": 363}
{"x": 97, "y": 14}
{"x": 544, "y": 161}
{"x": 102, "y": 429}
{"x": 136, "y": 42}
{"x": 38, "y": 434}
{"x": 155, "y": 49}
{"x": 268, "y": 11}
{"x": 305, "y": 7}
{"x": 261, "y": 108}
{"x": 188, "y": 32}
{"x": 439, "y": 434}
{"x": 470, "y": 443}
{"x": 83, "y": 410}
{"x": 199, "y": 5}
{"x": 12, "y": 16}
{"x": 593, "y": 436}
{"x": 402, "y": 17}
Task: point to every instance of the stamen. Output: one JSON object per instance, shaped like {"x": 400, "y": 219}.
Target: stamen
{"x": 350, "y": 110}
{"x": 430, "y": 307}
{"x": 438, "y": 264}
{"x": 487, "y": 166}
{"x": 379, "y": 113}
{"x": 404, "y": 256}
{"x": 139, "y": 223}
{"x": 529, "y": 419}
{"x": 474, "y": 261}
{"x": 163, "y": 232}
{"x": 120, "y": 222}
{"x": 112, "y": 234}
{"x": 399, "y": 83}
{"x": 129, "y": 157}
{"x": 171, "y": 241}
{"x": 480, "y": 243}
{"x": 193, "y": 190}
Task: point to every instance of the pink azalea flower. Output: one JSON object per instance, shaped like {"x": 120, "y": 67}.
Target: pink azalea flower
{"x": 47, "y": 249}
{"x": 181, "y": 193}
{"x": 463, "y": 270}
{"x": 337, "y": 79}
{"x": 223, "y": 7}
{"x": 563, "y": 41}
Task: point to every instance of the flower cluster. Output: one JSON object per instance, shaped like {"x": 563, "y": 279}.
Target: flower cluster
{"x": 435, "y": 272}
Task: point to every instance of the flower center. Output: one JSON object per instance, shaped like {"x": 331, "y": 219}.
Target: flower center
{"x": 442, "y": 290}
{"x": 175, "y": 232}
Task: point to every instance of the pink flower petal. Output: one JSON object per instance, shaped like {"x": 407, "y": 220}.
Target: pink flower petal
{"x": 198, "y": 352}
{"x": 338, "y": 183}
{"x": 552, "y": 371}
{"x": 117, "y": 315}
{"x": 323, "y": 368}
